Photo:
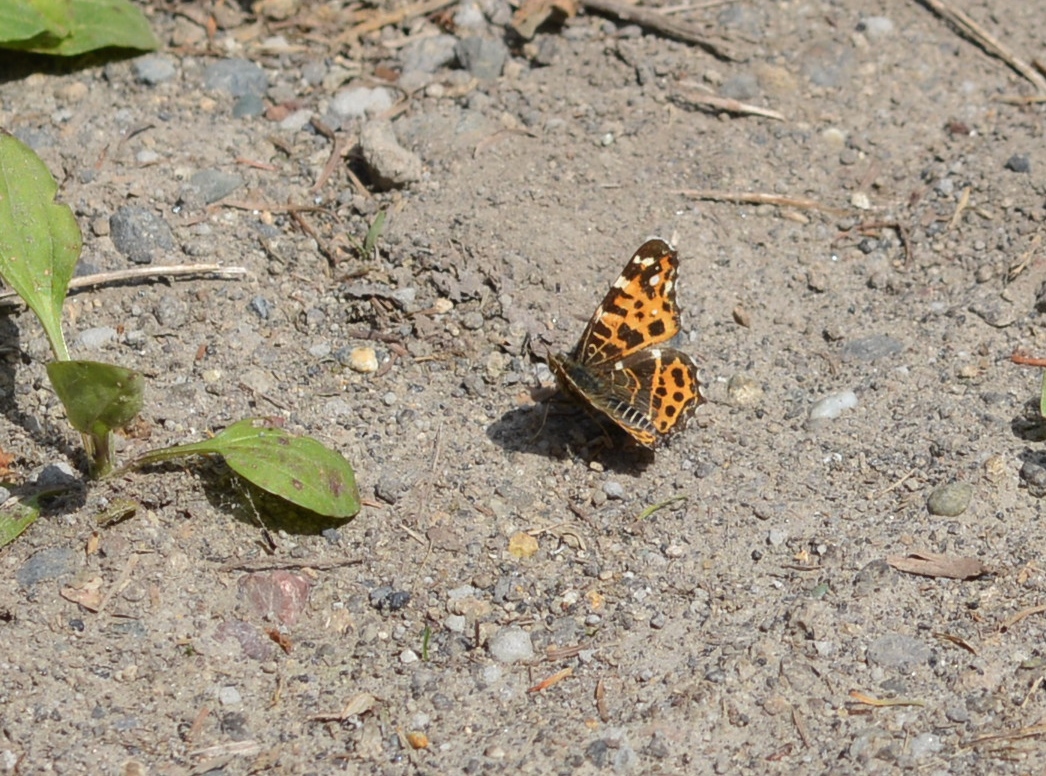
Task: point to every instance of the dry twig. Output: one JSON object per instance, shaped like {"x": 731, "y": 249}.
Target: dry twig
{"x": 138, "y": 273}
{"x": 657, "y": 21}
{"x": 384, "y": 19}
{"x": 726, "y": 104}
{"x": 984, "y": 39}
{"x": 760, "y": 198}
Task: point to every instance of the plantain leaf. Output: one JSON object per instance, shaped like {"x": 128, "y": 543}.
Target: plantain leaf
{"x": 23, "y": 20}
{"x": 297, "y": 469}
{"x": 71, "y": 27}
{"x": 39, "y": 239}
{"x": 97, "y": 397}
{"x": 13, "y": 521}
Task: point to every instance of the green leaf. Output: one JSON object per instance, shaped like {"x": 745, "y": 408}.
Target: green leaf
{"x": 297, "y": 469}
{"x": 376, "y": 228}
{"x": 97, "y": 397}
{"x": 13, "y": 521}
{"x": 21, "y": 20}
{"x": 1042, "y": 396}
{"x": 78, "y": 26}
{"x": 39, "y": 239}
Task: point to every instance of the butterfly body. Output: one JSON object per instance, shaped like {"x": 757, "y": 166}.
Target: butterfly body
{"x": 616, "y": 368}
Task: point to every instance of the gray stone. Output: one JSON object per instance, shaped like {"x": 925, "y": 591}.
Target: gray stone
{"x": 876, "y": 27}
{"x": 154, "y": 69}
{"x": 871, "y": 348}
{"x": 96, "y": 337}
{"x": 50, "y": 563}
{"x": 613, "y": 489}
{"x": 208, "y": 186}
{"x": 171, "y": 311}
{"x": 427, "y": 55}
{"x": 924, "y": 745}
{"x": 247, "y": 106}
{"x": 482, "y": 57}
{"x": 140, "y": 234}
{"x": 950, "y": 500}
{"x": 1019, "y": 163}
{"x": 391, "y": 165}
{"x": 237, "y": 77}
{"x": 895, "y": 650}
{"x": 511, "y": 645}
{"x": 1033, "y": 475}
{"x": 358, "y": 101}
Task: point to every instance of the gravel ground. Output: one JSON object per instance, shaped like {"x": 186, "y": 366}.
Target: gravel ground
{"x": 521, "y": 593}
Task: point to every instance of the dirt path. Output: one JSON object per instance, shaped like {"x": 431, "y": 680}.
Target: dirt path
{"x": 748, "y": 625}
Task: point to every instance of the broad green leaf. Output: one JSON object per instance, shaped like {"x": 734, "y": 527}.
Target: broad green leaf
{"x": 79, "y": 26}
{"x": 14, "y": 520}
{"x": 23, "y": 20}
{"x": 97, "y": 397}
{"x": 39, "y": 239}
{"x": 297, "y": 469}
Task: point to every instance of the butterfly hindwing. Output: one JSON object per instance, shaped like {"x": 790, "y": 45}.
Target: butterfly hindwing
{"x": 616, "y": 368}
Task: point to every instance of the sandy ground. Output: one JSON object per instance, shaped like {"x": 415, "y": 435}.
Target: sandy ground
{"x": 751, "y": 623}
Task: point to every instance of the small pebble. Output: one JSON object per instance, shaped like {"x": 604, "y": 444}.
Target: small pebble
{"x": 1033, "y": 475}
{"x": 831, "y": 407}
{"x": 427, "y": 55}
{"x": 876, "y": 27}
{"x": 140, "y": 234}
{"x": 614, "y": 489}
{"x": 484, "y": 58}
{"x": 154, "y": 69}
{"x": 511, "y": 645}
{"x": 1019, "y": 163}
{"x": 871, "y": 348}
{"x": 97, "y": 337}
{"x": 49, "y": 563}
{"x": 895, "y": 650}
{"x": 209, "y": 186}
{"x": 261, "y": 307}
{"x": 391, "y": 165}
{"x": 357, "y": 101}
{"x": 229, "y": 696}
{"x": 236, "y": 77}
{"x": 925, "y": 744}
{"x": 455, "y": 623}
{"x": 743, "y": 391}
{"x": 950, "y": 500}
{"x": 247, "y": 106}
{"x": 408, "y": 656}
{"x": 363, "y": 360}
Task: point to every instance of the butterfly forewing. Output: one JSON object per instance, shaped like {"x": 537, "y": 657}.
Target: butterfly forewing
{"x": 638, "y": 311}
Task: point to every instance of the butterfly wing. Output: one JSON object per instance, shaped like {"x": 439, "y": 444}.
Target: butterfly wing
{"x": 638, "y": 312}
{"x": 650, "y": 394}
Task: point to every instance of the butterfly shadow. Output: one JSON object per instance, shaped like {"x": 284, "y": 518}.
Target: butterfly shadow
{"x": 555, "y": 427}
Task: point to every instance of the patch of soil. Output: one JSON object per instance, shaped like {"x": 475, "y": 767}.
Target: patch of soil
{"x": 748, "y": 625}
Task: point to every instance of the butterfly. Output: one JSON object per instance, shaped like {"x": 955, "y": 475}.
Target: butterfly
{"x": 616, "y": 367}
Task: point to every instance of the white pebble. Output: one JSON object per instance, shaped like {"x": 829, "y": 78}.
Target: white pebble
{"x": 831, "y": 407}
{"x": 511, "y": 645}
